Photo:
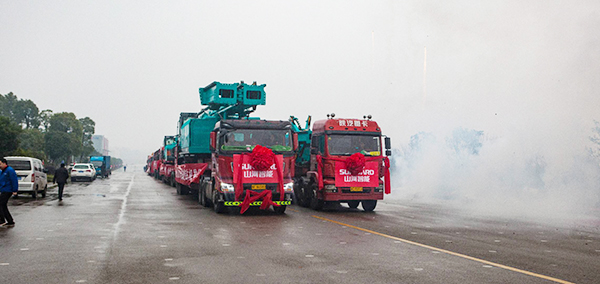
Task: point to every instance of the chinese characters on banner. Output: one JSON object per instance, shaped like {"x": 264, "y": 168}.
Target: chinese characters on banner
{"x": 369, "y": 177}
{"x": 189, "y": 173}
{"x": 250, "y": 175}
{"x": 353, "y": 123}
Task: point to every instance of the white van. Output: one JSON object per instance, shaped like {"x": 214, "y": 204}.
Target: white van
{"x": 31, "y": 174}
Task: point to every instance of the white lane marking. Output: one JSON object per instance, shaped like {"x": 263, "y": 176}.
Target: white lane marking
{"x": 4, "y": 264}
{"x": 261, "y": 275}
{"x": 123, "y": 208}
{"x": 25, "y": 249}
{"x": 418, "y": 269}
{"x": 173, "y": 278}
{"x": 81, "y": 281}
{"x": 341, "y": 271}
{"x": 343, "y": 243}
{"x": 226, "y": 245}
{"x": 163, "y": 246}
{"x": 487, "y": 266}
{"x": 492, "y": 251}
{"x": 496, "y": 241}
{"x": 286, "y": 244}
{"x": 544, "y": 241}
{"x": 309, "y": 255}
{"x": 168, "y": 259}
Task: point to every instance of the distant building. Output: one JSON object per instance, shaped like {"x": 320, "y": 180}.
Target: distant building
{"x": 100, "y": 144}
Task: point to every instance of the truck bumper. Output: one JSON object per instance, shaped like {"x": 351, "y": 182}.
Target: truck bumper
{"x": 229, "y": 199}
{"x": 345, "y": 194}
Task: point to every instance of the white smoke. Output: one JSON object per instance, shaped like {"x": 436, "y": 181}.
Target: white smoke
{"x": 501, "y": 175}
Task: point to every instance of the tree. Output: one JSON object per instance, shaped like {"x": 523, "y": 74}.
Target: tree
{"x": 8, "y": 105}
{"x": 9, "y": 132}
{"x": 89, "y": 127}
{"x": 27, "y": 114}
{"x": 58, "y": 146}
{"x": 45, "y": 116}
{"x": 63, "y": 138}
{"x": 32, "y": 144}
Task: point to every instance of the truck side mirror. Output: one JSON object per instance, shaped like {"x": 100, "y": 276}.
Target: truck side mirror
{"x": 388, "y": 143}
{"x": 295, "y": 137}
{"x": 213, "y": 141}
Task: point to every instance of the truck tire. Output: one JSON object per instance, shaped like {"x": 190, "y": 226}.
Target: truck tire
{"x": 315, "y": 202}
{"x": 369, "y": 205}
{"x": 218, "y": 206}
{"x": 279, "y": 209}
{"x": 201, "y": 195}
{"x": 353, "y": 204}
{"x": 44, "y": 192}
{"x": 179, "y": 189}
{"x": 301, "y": 195}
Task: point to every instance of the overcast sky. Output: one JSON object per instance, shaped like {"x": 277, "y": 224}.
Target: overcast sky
{"x": 528, "y": 69}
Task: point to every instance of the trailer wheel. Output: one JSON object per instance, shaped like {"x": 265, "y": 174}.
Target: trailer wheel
{"x": 369, "y": 205}
{"x": 353, "y": 204}
{"x": 218, "y": 206}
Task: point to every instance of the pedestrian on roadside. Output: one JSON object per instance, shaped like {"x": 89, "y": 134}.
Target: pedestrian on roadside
{"x": 124, "y": 168}
{"x": 9, "y": 186}
{"x": 60, "y": 176}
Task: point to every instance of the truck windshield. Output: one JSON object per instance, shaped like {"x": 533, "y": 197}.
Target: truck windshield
{"x": 246, "y": 139}
{"x": 345, "y": 145}
{"x": 97, "y": 164}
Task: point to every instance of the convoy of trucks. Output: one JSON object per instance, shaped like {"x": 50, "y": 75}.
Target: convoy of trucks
{"x": 229, "y": 160}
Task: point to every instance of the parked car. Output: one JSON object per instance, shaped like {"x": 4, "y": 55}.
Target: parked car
{"x": 31, "y": 174}
{"x": 83, "y": 172}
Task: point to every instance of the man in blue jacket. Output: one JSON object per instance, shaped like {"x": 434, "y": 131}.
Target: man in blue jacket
{"x": 9, "y": 185}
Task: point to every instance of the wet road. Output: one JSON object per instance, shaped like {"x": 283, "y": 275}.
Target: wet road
{"x": 133, "y": 229}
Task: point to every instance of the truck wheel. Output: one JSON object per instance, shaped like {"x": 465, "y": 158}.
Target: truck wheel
{"x": 369, "y": 205}
{"x": 34, "y": 193}
{"x": 178, "y": 187}
{"x": 353, "y": 204}
{"x": 218, "y": 206}
{"x": 44, "y": 192}
{"x": 302, "y": 196}
{"x": 280, "y": 209}
{"x": 201, "y": 195}
{"x": 315, "y": 202}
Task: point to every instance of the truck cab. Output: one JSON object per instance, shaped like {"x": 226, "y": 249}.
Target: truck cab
{"x": 233, "y": 144}
{"x": 346, "y": 164}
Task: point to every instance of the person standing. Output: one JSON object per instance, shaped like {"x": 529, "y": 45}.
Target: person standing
{"x": 9, "y": 186}
{"x": 60, "y": 176}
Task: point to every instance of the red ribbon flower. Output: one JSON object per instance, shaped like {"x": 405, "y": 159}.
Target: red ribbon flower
{"x": 355, "y": 163}
{"x": 262, "y": 158}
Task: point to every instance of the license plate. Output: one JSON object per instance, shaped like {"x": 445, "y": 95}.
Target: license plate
{"x": 356, "y": 189}
{"x": 80, "y": 172}
{"x": 259, "y": 186}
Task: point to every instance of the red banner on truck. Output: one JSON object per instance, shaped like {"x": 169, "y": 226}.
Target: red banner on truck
{"x": 189, "y": 173}
{"x": 251, "y": 175}
{"x": 368, "y": 177}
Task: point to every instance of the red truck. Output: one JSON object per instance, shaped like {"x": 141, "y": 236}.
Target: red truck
{"x": 342, "y": 161}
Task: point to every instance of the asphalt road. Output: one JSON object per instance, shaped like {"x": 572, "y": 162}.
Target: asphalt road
{"x": 133, "y": 229}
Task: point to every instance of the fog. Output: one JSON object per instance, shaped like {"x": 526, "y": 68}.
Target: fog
{"x": 523, "y": 73}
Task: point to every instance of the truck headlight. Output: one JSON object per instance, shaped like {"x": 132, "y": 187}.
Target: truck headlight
{"x": 226, "y": 187}
{"x": 330, "y": 188}
{"x": 288, "y": 186}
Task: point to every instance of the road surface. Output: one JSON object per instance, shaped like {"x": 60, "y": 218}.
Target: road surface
{"x": 132, "y": 228}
